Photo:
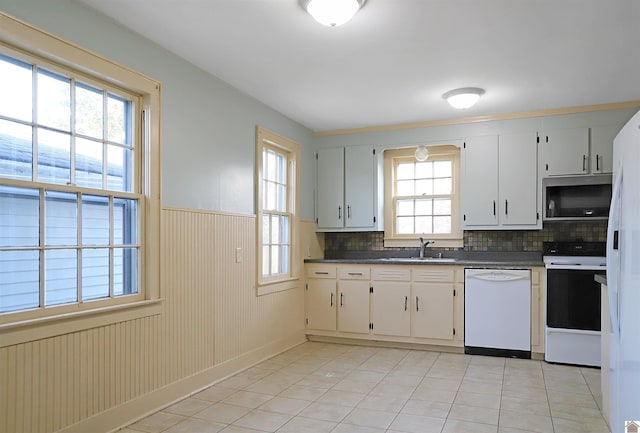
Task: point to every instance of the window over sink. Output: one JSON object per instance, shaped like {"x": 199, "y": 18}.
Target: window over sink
{"x": 422, "y": 197}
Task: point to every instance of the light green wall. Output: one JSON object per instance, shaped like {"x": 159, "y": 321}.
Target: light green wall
{"x": 208, "y": 127}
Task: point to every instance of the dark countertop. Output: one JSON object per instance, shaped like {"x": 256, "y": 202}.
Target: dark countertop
{"x": 470, "y": 259}
{"x": 601, "y": 278}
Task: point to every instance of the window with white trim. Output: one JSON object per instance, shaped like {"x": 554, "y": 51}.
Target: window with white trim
{"x": 76, "y": 176}
{"x": 421, "y": 197}
{"x": 276, "y": 210}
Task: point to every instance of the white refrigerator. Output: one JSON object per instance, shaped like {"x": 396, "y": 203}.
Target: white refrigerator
{"x": 623, "y": 278}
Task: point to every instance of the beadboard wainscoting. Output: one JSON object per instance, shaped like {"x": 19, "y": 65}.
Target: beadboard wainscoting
{"x": 210, "y": 326}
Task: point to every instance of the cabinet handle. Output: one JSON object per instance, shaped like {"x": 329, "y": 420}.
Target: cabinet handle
{"x": 417, "y": 307}
{"x": 506, "y": 207}
{"x": 339, "y": 212}
{"x": 597, "y": 162}
{"x": 584, "y": 162}
{"x": 406, "y": 299}
{"x": 349, "y": 211}
{"x": 321, "y": 273}
{"x": 331, "y": 299}
{"x": 354, "y": 273}
{"x": 494, "y": 208}
{"x": 341, "y": 299}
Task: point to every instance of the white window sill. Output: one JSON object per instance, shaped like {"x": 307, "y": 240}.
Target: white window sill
{"x": 266, "y": 288}
{"x": 51, "y": 326}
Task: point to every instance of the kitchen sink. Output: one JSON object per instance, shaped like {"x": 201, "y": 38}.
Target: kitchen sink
{"x": 421, "y": 259}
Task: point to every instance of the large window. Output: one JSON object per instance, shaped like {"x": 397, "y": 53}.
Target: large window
{"x": 276, "y": 210}
{"x": 76, "y": 176}
{"x": 421, "y": 197}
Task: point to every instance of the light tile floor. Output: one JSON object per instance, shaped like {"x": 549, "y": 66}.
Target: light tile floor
{"x": 320, "y": 387}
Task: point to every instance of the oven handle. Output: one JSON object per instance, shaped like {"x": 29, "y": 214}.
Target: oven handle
{"x": 576, "y": 267}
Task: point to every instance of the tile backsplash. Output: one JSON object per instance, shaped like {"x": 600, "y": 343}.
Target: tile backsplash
{"x": 482, "y": 240}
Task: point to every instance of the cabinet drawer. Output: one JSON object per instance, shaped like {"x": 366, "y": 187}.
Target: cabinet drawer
{"x": 353, "y": 273}
{"x": 387, "y": 273}
{"x": 320, "y": 271}
{"x": 433, "y": 274}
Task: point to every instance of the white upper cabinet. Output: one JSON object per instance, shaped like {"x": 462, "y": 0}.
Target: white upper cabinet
{"x": 565, "y": 152}
{"x": 346, "y": 189}
{"x": 578, "y": 151}
{"x": 602, "y": 148}
{"x": 500, "y": 182}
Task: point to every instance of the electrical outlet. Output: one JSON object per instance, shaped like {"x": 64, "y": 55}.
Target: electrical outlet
{"x": 238, "y": 255}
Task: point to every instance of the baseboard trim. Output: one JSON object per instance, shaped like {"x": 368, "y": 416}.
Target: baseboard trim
{"x": 120, "y": 416}
{"x": 382, "y": 343}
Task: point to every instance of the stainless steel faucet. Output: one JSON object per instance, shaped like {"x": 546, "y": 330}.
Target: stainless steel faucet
{"x": 423, "y": 246}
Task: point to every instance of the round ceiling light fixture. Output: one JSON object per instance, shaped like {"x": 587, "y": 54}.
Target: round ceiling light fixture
{"x": 332, "y": 13}
{"x": 464, "y": 97}
{"x": 422, "y": 153}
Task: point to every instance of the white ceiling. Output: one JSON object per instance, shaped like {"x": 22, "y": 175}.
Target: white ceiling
{"x": 393, "y": 61}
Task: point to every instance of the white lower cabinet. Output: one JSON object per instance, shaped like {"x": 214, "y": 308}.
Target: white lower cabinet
{"x": 433, "y": 310}
{"x": 321, "y": 304}
{"x": 391, "y": 301}
{"x": 353, "y": 300}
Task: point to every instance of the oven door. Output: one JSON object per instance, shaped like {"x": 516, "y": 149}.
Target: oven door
{"x": 573, "y": 297}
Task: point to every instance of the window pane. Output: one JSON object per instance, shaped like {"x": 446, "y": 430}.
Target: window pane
{"x": 442, "y": 186}
{"x": 54, "y": 100}
{"x": 424, "y": 187}
{"x": 61, "y": 218}
{"x": 282, "y": 198}
{"x": 271, "y": 165}
{"x": 405, "y": 207}
{"x": 424, "y": 170}
{"x": 88, "y": 163}
{"x": 404, "y": 225}
{"x": 15, "y": 88}
{"x": 284, "y": 259}
{"x": 423, "y": 207}
{"x": 442, "y": 169}
{"x": 95, "y": 220}
{"x": 19, "y": 280}
{"x": 282, "y": 169}
{"x": 404, "y": 170}
{"x": 266, "y": 260}
{"x": 125, "y": 217}
{"x": 19, "y": 217}
{"x": 442, "y": 224}
{"x": 275, "y": 259}
{"x": 118, "y": 119}
{"x": 119, "y": 169}
{"x": 405, "y": 187}
{"x": 16, "y": 150}
{"x": 442, "y": 206}
{"x": 284, "y": 229}
{"x": 89, "y": 111}
{"x": 125, "y": 271}
{"x": 271, "y": 196}
{"x": 95, "y": 273}
{"x": 275, "y": 229}
{"x": 266, "y": 230}
{"x": 54, "y": 157}
{"x": 60, "y": 285}
{"x": 423, "y": 225}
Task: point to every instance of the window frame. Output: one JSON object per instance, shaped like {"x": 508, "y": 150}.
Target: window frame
{"x": 436, "y": 152}
{"x": 266, "y": 139}
{"x": 26, "y": 42}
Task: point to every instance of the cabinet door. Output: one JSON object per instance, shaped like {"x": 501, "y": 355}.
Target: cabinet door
{"x": 518, "y": 186}
{"x": 432, "y": 310}
{"x": 353, "y": 306}
{"x": 330, "y": 206}
{"x": 480, "y": 181}
{"x": 566, "y": 151}
{"x": 321, "y": 304}
{"x": 359, "y": 184}
{"x": 390, "y": 308}
{"x": 602, "y": 148}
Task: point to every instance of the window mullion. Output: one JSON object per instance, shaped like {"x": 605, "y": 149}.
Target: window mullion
{"x": 42, "y": 272}
{"x": 79, "y": 246}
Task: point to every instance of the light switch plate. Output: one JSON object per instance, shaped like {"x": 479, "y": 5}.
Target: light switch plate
{"x": 238, "y": 255}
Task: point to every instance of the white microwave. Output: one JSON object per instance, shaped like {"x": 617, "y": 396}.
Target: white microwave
{"x": 576, "y": 198}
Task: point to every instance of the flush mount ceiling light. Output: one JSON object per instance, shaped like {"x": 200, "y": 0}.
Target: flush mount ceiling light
{"x": 332, "y": 12}
{"x": 463, "y": 98}
{"x": 422, "y": 153}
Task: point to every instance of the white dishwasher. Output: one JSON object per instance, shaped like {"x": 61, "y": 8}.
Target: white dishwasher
{"x": 497, "y": 312}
